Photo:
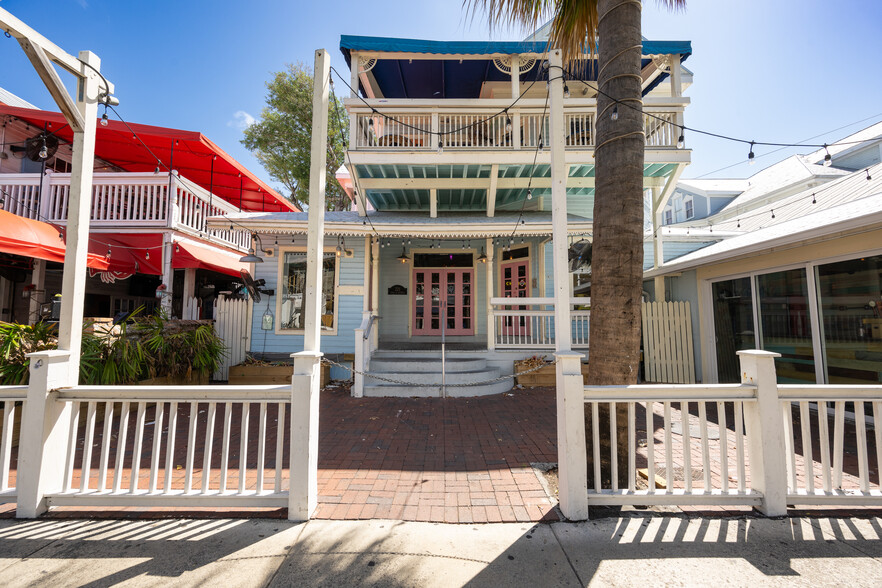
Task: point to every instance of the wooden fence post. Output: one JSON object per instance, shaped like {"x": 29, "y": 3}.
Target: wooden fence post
{"x": 305, "y": 389}
{"x": 45, "y": 426}
{"x": 765, "y": 431}
{"x": 572, "y": 459}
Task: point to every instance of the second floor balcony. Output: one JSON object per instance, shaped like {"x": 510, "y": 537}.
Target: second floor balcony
{"x": 124, "y": 201}
{"x": 422, "y": 125}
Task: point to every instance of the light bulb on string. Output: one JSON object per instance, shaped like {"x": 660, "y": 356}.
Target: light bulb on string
{"x": 529, "y": 193}
{"x": 147, "y": 254}
{"x": 739, "y": 223}
{"x": 681, "y": 140}
{"x": 615, "y": 113}
{"x": 104, "y": 118}
{"x": 566, "y": 91}
{"x": 773, "y": 213}
{"x": 508, "y": 126}
{"x": 440, "y": 146}
{"x": 869, "y": 177}
{"x": 109, "y": 252}
{"x": 814, "y": 199}
{"x": 751, "y": 158}
{"x": 828, "y": 159}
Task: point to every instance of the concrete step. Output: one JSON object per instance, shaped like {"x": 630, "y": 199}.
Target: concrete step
{"x": 431, "y": 377}
{"x": 428, "y": 364}
{"x": 391, "y": 390}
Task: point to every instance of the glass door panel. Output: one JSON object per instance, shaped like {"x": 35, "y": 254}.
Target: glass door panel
{"x": 851, "y": 313}
{"x": 733, "y": 325}
{"x": 786, "y": 327}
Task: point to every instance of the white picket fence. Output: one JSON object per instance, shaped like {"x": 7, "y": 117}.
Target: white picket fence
{"x": 667, "y": 343}
{"x": 721, "y": 444}
{"x": 232, "y": 323}
{"x": 11, "y": 403}
{"x": 190, "y": 309}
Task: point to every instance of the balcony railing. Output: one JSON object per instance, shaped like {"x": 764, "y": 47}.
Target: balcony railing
{"x": 528, "y": 323}
{"x": 123, "y": 200}
{"x": 414, "y": 125}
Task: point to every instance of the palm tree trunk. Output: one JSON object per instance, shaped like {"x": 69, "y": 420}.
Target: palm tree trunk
{"x": 617, "y": 264}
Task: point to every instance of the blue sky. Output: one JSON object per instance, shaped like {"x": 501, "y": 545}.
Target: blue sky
{"x": 779, "y": 71}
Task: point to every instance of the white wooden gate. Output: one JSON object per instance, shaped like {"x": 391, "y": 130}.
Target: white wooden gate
{"x": 190, "y": 309}
{"x": 667, "y": 343}
{"x": 232, "y": 322}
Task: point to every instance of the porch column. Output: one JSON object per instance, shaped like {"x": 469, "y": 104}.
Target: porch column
{"x": 38, "y": 279}
{"x": 491, "y": 320}
{"x": 168, "y": 274}
{"x": 375, "y": 278}
{"x": 73, "y": 289}
{"x": 305, "y": 382}
{"x": 562, "y": 327}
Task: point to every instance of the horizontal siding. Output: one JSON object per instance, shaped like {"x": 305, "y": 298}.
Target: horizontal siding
{"x": 672, "y": 249}
{"x": 350, "y": 273}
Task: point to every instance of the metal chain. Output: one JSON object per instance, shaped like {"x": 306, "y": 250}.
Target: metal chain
{"x": 415, "y": 385}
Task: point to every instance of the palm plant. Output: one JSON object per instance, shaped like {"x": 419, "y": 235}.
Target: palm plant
{"x": 612, "y": 28}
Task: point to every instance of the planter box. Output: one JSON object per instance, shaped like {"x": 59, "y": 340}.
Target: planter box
{"x": 546, "y": 376}
{"x": 269, "y": 374}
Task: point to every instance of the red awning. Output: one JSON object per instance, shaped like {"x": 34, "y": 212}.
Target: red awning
{"x": 192, "y": 256}
{"x": 193, "y": 153}
{"x": 129, "y": 252}
{"x": 33, "y": 238}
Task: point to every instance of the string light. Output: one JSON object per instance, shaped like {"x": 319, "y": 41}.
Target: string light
{"x": 681, "y": 140}
{"x": 814, "y": 200}
{"x": 615, "y": 113}
{"x": 868, "y": 174}
{"x": 751, "y": 158}
{"x": 828, "y": 159}
{"x": 773, "y": 213}
{"x": 529, "y": 193}
{"x": 566, "y": 91}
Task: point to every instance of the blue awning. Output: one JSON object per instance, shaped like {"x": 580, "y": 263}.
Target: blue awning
{"x": 451, "y": 78}
{"x": 390, "y": 44}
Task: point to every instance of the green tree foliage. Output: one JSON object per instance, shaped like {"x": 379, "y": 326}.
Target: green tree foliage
{"x": 280, "y": 139}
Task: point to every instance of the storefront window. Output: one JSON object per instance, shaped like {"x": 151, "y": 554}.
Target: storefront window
{"x": 851, "y": 310}
{"x": 786, "y": 324}
{"x": 733, "y": 325}
{"x": 293, "y": 291}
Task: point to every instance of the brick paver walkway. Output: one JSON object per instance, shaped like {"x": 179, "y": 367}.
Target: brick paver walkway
{"x": 428, "y": 459}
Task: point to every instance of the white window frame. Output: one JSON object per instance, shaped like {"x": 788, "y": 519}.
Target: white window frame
{"x": 277, "y": 322}
{"x": 687, "y": 204}
{"x": 668, "y": 217}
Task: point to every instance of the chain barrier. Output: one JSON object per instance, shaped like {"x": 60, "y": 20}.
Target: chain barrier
{"x": 352, "y": 370}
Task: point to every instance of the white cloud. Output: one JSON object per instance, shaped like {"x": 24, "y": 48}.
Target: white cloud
{"x": 241, "y": 120}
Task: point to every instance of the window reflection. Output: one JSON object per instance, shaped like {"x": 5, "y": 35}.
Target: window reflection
{"x": 293, "y": 290}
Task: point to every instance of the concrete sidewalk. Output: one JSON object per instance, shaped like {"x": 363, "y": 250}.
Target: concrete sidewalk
{"x": 634, "y": 549}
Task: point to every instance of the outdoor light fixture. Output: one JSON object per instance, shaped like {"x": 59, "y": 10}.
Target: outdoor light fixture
{"x": 44, "y": 152}
{"x": 681, "y": 140}
{"x": 482, "y": 258}
{"x": 529, "y": 193}
{"x": 751, "y": 158}
{"x": 403, "y": 258}
{"x": 615, "y": 113}
{"x": 828, "y": 159}
{"x": 251, "y": 257}
{"x": 566, "y": 91}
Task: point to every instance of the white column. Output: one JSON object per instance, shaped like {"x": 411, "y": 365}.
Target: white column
{"x": 189, "y": 283}
{"x": 45, "y": 427}
{"x": 73, "y": 289}
{"x": 303, "y": 489}
{"x": 572, "y": 456}
{"x": 765, "y": 431}
{"x": 562, "y": 326}
{"x": 433, "y": 203}
{"x": 515, "y": 92}
{"x": 375, "y": 278}
{"x": 491, "y": 320}
{"x": 38, "y": 279}
{"x": 168, "y": 274}
{"x": 316, "y": 225}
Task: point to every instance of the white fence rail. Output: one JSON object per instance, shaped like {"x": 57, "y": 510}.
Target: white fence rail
{"x": 166, "y": 446}
{"x": 667, "y": 342}
{"x": 11, "y": 402}
{"x": 232, "y": 323}
{"x": 728, "y": 444}
{"x": 123, "y": 200}
{"x": 418, "y": 125}
{"x": 819, "y": 469}
{"x": 528, "y": 323}
{"x": 670, "y": 418}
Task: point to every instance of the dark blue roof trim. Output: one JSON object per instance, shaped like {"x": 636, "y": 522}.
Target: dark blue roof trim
{"x": 388, "y": 44}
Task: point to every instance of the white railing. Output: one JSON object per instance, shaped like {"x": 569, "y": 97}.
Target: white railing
{"x": 718, "y": 444}
{"x": 173, "y": 435}
{"x": 519, "y": 324}
{"x": 422, "y": 125}
{"x": 366, "y": 342}
{"x": 11, "y": 402}
{"x": 20, "y": 194}
{"x": 821, "y": 472}
{"x": 703, "y": 472}
{"x": 123, "y": 200}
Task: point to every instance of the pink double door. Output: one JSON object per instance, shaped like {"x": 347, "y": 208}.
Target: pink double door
{"x": 443, "y": 295}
